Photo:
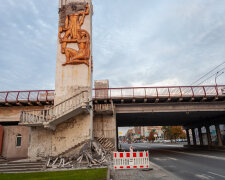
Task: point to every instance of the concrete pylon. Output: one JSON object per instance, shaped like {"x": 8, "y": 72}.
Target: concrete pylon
{"x": 74, "y": 49}
{"x": 193, "y": 136}
{"x": 208, "y": 135}
{"x": 219, "y": 136}
{"x": 200, "y": 136}
{"x": 73, "y": 78}
{"x": 188, "y": 137}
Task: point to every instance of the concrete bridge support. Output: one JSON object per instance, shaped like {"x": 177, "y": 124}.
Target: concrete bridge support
{"x": 208, "y": 135}
{"x": 193, "y": 136}
{"x": 188, "y": 137}
{"x": 219, "y": 136}
{"x": 200, "y": 136}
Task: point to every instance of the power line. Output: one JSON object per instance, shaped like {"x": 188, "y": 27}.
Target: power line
{"x": 208, "y": 73}
{"x": 210, "y": 77}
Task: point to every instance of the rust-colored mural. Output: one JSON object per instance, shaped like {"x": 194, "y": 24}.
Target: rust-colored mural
{"x": 71, "y": 32}
{"x": 1, "y": 138}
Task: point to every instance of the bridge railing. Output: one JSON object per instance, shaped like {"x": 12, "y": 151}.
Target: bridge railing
{"x": 109, "y": 93}
{"x": 26, "y": 96}
{"x": 159, "y": 92}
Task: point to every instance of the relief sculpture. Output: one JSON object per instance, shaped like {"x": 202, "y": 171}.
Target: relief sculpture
{"x": 71, "y": 32}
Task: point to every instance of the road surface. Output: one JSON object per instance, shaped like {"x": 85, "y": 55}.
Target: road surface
{"x": 185, "y": 163}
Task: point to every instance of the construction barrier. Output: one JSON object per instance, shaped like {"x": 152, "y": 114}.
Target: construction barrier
{"x": 130, "y": 160}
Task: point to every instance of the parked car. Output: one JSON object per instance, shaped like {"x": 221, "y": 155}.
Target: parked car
{"x": 166, "y": 141}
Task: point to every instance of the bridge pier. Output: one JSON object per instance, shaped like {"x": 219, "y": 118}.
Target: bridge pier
{"x": 188, "y": 137}
{"x": 193, "y": 136}
{"x": 200, "y": 136}
{"x": 219, "y": 136}
{"x": 208, "y": 135}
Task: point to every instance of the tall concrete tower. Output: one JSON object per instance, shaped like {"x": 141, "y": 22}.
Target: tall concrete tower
{"x": 70, "y": 122}
{"x": 74, "y": 49}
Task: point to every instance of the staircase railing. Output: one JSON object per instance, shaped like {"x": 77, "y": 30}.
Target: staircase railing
{"x": 36, "y": 117}
{"x": 33, "y": 117}
{"x": 68, "y": 105}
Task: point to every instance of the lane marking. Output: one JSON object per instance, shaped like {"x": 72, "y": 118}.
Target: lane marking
{"x": 165, "y": 159}
{"x": 204, "y": 176}
{"x": 174, "y": 159}
{"x": 217, "y": 174}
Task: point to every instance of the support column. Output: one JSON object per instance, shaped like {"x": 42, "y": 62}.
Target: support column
{"x": 200, "y": 136}
{"x": 218, "y": 133}
{"x": 208, "y": 135}
{"x": 188, "y": 137}
{"x": 193, "y": 136}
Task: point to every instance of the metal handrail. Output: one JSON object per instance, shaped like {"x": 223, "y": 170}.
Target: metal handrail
{"x": 192, "y": 91}
{"x": 157, "y": 92}
{"x": 26, "y": 96}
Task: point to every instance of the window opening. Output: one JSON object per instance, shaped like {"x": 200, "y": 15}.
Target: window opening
{"x": 18, "y": 140}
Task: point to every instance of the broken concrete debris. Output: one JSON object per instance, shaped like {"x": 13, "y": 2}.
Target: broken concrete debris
{"x": 92, "y": 154}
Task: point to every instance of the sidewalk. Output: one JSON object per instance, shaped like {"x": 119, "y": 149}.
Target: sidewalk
{"x": 139, "y": 174}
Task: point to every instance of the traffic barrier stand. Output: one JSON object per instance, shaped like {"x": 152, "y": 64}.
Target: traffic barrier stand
{"x": 131, "y": 160}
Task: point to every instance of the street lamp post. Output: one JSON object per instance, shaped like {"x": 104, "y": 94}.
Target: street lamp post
{"x": 217, "y": 75}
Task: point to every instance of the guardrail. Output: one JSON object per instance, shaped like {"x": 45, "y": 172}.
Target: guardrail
{"x": 26, "y": 96}
{"x": 159, "y": 92}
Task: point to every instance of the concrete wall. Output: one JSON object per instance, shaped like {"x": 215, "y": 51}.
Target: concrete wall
{"x": 101, "y": 84}
{"x": 10, "y": 150}
{"x": 45, "y": 142}
{"x": 12, "y": 114}
{"x": 40, "y": 142}
{"x": 105, "y": 125}
{"x": 71, "y": 133}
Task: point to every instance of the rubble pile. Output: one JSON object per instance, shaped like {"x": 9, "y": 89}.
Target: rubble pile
{"x": 92, "y": 154}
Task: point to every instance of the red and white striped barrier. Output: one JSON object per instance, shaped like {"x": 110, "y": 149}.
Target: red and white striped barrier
{"x": 130, "y": 160}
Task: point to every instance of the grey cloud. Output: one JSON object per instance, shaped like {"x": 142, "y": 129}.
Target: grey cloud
{"x": 135, "y": 42}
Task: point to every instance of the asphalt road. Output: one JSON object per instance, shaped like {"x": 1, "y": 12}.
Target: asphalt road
{"x": 183, "y": 162}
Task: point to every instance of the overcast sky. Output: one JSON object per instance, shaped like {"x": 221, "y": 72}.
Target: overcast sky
{"x": 135, "y": 43}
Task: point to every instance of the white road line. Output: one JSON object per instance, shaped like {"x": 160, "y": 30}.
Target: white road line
{"x": 217, "y": 174}
{"x": 174, "y": 159}
{"x": 203, "y": 176}
{"x": 199, "y": 155}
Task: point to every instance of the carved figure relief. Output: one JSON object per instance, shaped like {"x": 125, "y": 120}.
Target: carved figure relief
{"x": 70, "y": 31}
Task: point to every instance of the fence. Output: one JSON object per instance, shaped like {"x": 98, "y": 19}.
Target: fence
{"x": 130, "y": 160}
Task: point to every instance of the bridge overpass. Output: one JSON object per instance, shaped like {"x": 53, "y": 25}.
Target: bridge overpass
{"x": 188, "y": 106}
{"x": 122, "y": 95}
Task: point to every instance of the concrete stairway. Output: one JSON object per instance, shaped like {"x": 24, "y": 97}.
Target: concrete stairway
{"x": 59, "y": 113}
{"x": 3, "y": 160}
{"x": 19, "y": 166}
{"x": 106, "y": 143}
{"x": 70, "y": 150}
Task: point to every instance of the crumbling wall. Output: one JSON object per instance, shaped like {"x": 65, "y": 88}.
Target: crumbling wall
{"x": 40, "y": 142}
{"x": 71, "y": 133}
{"x": 45, "y": 142}
{"x": 105, "y": 125}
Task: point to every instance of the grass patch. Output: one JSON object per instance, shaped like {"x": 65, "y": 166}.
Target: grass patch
{"x": 89, "y": 174}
